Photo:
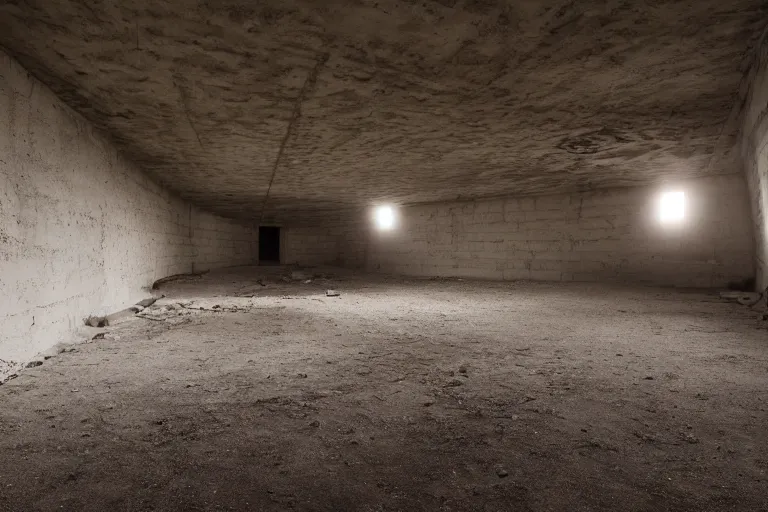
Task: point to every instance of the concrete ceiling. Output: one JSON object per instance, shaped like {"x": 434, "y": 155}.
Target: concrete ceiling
{"x": 347, "y": 103}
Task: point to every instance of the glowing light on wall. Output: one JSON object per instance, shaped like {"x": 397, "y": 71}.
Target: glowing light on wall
{"x": 384, "y": 217}
{"x": 672, "y": 207}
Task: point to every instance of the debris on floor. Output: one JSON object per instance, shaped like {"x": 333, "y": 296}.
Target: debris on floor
{"x": 332, "y": 293}
{"x": 148, "y": 302}
{"x": 97, "y": 321}
{"x": 8, "y": 370}
{"x": 464, "y": 379}
{"x": 745, "y": 298}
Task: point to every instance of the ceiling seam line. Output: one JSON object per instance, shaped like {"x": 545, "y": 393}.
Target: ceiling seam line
{"x": 295, "y": 116}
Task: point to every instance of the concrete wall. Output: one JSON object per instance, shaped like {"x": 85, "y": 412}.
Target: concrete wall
{"x": 607, "y": 235}
{"x": 754, "y": 145}
{"x": 337, "y": 241}
{"x": 82, "y": 231}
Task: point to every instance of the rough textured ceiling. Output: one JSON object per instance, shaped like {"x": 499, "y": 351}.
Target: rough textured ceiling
{"x": 348, "y": 103}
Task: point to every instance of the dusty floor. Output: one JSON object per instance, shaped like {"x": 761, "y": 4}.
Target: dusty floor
{"x": 398, "y": 395}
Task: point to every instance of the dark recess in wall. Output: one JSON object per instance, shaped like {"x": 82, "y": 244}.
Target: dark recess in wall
{"x": 269, "y": 244}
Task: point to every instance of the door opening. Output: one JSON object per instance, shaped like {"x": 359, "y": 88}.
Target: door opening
{"x": 269, "y": 245}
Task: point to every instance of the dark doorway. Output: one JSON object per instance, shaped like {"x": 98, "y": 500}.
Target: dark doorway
{"x": 269, "y": 244}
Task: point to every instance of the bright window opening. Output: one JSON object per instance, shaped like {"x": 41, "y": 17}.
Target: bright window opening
{"x": 384, "y": 216}
{"x": 672, "y": 207}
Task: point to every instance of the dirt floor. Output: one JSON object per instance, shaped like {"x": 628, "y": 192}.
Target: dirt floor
{"x": 397, "y": 395}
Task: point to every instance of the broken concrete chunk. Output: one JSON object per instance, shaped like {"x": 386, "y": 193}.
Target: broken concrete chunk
{"x": 97, "y": 321}
{"x": 32, "y": 364}
{"x": 332, "y": 293}
{"x": 147, "y": 302}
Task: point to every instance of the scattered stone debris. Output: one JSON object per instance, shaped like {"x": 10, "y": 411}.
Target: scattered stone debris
{"x": 33, "y": 364}
{"x": 332, "y": 293}
{"x": 8, "y": 370}
{"x": 502, "y": 473}
{"x": 97, "y": 321}
{"x": 99, "y": 336}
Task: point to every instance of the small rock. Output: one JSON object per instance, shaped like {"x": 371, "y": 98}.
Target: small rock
{"x": 32, "y": 364}
{"x": 146, "y": 302}
{"x": 217, "y": 306}
{"x": 315, "y": 423}
{"x": 97, "y": 321}
{"x": 307, "y": 281}
{"x": 454, "y": 383}
{"x": 648, "y": 378}
{"x": 99, "y": 336}
{"x": 332, "y": 293}
{"x": 302, "y": 375}
{"x": 691, "y": 439}
{"x": 462, "y": 369}
{"x": 502, "y": 473}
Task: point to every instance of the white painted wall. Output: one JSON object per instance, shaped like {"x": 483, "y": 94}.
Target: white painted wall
{"x": 82, "y": 231}
{"x": 611, "y": 235}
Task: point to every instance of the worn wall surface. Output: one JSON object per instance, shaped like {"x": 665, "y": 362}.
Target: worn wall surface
{"x": 754, "y": 145}
{"x": 82, "y": 231}
{"x": 339, "y": 241}
{"x": 606, "y": 235}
